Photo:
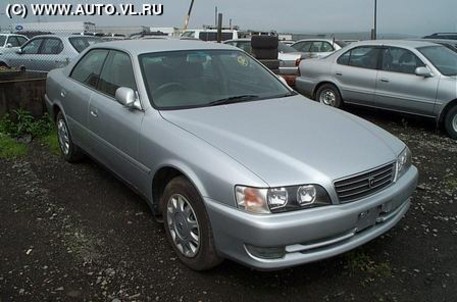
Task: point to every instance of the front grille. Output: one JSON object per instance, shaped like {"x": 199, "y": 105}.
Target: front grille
{"x": 359, "y": 186}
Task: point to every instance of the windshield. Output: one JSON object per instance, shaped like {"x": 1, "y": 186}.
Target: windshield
{"x": 444, "y": 59}
{"x": 198, "y": 78}
{"x": 81, "y": 43}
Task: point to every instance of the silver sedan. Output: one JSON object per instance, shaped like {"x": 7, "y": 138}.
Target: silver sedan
{"x": 415, "y": 77}
{"x": 234, "y": 162}
{"x": 45, "y": 52}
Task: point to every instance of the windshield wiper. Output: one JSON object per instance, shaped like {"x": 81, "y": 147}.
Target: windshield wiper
{"x": 234, "y": 99}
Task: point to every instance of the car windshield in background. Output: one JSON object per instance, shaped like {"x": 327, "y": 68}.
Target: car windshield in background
{"x": 340, "y": 43}
{"x": 285, "y": 48}
{"x": 444, "y": 59}
{"x": 81, "y": 43}
{"x": 186, "y": 79}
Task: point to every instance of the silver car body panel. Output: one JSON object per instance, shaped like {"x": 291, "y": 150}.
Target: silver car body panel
{"x": 425, "y": 96}
{"x": 276, "y": 142}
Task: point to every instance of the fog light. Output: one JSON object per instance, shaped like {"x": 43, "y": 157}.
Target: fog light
{"x": 266, "y": 252}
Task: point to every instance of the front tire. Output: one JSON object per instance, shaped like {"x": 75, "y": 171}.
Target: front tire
{"x": 450, "y": 122}
{"x": 329, "y": 95}
{"x": 187, "y": 225}
{"x": 69, "y": 150}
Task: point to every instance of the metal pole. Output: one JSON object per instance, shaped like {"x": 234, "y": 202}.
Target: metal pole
{"x": 215, "y": 16}
{"x": 219, "y": 28}
{"x": 375, "y": 30}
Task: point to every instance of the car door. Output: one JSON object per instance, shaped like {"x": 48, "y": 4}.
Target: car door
{"x": 399, "y": 88}
{"x": 116, "y": 128}
{"x": 27, "y": 55}
{"x": 49, "y": 56}
{"x": 77, "y": 91}
{"x": 355, "y": 73}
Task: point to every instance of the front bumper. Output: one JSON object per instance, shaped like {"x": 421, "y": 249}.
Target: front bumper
{"x": 309, "y": 235}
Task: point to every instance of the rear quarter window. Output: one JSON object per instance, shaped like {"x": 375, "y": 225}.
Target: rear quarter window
{"x": 81, "y": 43}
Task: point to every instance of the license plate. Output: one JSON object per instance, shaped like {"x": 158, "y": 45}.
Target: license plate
{"x": 367, "y": 218}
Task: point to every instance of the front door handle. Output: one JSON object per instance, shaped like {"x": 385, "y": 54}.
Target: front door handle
{"x": 63, "y": 93}
{"x": 385, "y": 80}
{"x": 339, "y": 73}
{"x": 94, "y": 113}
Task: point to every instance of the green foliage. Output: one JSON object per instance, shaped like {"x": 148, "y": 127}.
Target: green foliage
{"x": 22, "y": 122}
{"x": 10, "y": 148}
{"x": 51, "y": 141}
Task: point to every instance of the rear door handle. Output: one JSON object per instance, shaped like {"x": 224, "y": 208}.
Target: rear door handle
{"x": 385, "y": 80}
{"x": 63, "y": 93}
{"x": 339, "y": 73}
{"x": 94, "y": 112}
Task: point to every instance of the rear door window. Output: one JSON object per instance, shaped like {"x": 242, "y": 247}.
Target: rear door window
{"x": 51, "y": 46}
{"x": 364, "y": 57}
{"x": 87, "y": 70}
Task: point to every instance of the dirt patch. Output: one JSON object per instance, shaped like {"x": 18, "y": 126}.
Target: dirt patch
{"x": 74, "y": 233}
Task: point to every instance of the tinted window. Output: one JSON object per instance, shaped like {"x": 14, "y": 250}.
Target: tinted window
{"x": 32, "y": 46}
{"x": 285, "y": 48}
{"x": 365, "y": 57}
{"x": 117, "y": 72}
{"x": 21, "y": 40}
{"x": 183, "y": 79}
{"x": 51, "y": 46}
{"x": 2, "y": 40}
{"x": 88, "y": 69}
{"x": 303, "y": 46}
{"x": 81, "y": 43}
{"x": 400, "y": 60}
{"x": 13, "y": 41}
{"x": 212, "y": 36}
{"x": 445, "y": 60}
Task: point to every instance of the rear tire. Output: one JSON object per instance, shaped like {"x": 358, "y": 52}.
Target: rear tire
{"x": 70, "y": 151}
{"x": 450, "y": 122}
{"x": 329, "y": 95}
{"x": 187, "y": 225}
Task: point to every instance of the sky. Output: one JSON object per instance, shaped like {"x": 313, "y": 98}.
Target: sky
{"x": 410, "y": 17}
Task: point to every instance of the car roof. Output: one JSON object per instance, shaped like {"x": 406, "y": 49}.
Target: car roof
{"x": 59, "y": 35}
{"x": 401, "y": 43}
{"x": 318, "y": 39}
{"x": 158, "y": 45}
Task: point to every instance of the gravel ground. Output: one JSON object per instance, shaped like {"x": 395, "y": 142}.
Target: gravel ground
{"x": 73, "y": 232}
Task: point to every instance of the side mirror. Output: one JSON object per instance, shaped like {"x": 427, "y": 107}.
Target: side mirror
{"x": 423, "y": 72}
{"x": 19, "y": 51}
{"x": 9, "y": 45}
{"x": 125, "y": 96}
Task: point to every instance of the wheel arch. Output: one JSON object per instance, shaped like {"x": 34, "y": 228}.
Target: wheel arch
{"x": 316, "y": 88}
{"x": 442, "y": 115}
{"x": 164, "y": 175}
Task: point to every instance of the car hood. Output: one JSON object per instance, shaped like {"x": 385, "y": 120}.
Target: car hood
{"x": 290, "y": 140}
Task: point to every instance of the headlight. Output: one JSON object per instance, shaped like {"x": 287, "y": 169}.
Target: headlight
{"x": 404, "y": 161}
{"x": 273, "y": 200}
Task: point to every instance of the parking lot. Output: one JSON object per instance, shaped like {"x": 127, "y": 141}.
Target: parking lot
{"x": 73, "y": 232}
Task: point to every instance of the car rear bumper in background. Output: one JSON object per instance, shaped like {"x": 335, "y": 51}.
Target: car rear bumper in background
{"x": 275, "y": 241}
